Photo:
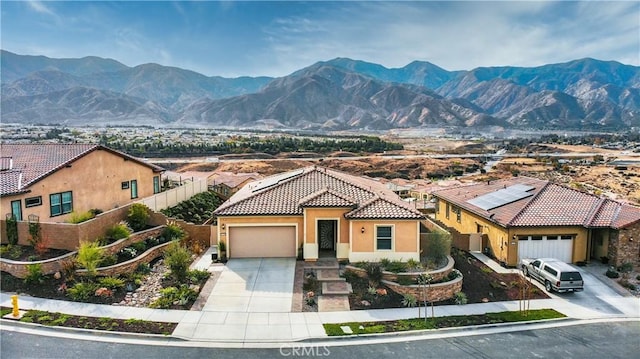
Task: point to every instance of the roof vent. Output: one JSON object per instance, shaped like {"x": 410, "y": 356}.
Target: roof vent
{"x": 6, "y": 163}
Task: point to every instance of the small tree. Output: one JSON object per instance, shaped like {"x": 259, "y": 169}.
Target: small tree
{"x": 424, "y": 280}
{"x": 439, "y": 246}
{"x": 89, "y": 256}
{"x": 177, "y": 259}
{"x": 12, "y": 229}
{"x": 138, "y": 216}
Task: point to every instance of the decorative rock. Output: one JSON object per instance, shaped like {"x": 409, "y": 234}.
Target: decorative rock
{"x": 57, "y": 275}
{"x": 365, "y": 303}
{"x": 485, "y": 300}
{"x": 103, "y": 292}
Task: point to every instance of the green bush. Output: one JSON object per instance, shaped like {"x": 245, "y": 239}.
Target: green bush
{"x": 171, "y": 295}
{"x": 138, "y": 216}
{"x": 108, "y": 260}
{"x": 374, "y": 273}
{"x": 177, "y": 258}
{"x": 197, "y": 276}
{"x": 404, "y": 280}
{"x": 143, "y": 268}
{"x": 90, "y": 256}
{"x": 140, "y": 247}
{"x": 460, "y": 298}
{"x": 409, "y": 300}
{"x": 612, "y": 273}
{"x": 34, "y": 274}
{"x": 396, "y": 266}
{"x": 384, "y": 262}
{"x": 414, "y": 265}
{"x": 117, "y": 231}
{"x": 438, "y": 246}
{"x": 111, "y": 282}
{"x": 76, "y": 217}
{"x": 172, "y": 232}
{"x": 626, "y": 267}
{"x": 12, "y": 230}
{"x": 82, "y": 291}
{"x": 11, "y": 251}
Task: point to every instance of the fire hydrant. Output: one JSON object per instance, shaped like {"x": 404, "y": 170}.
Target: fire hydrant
{"x": 14, "y": 302}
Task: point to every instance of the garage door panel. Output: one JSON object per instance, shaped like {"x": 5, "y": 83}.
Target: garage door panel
{"x": 546, "y": 247}
{"x": 262, "y": 241}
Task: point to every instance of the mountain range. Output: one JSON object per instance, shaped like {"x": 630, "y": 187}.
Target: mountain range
{"x": 585, "y": 94}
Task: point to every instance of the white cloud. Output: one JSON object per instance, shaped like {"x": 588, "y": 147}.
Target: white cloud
{"x": 40, "y": 7}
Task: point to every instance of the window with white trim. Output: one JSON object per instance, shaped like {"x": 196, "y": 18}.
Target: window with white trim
{"x": 384, "y": 237}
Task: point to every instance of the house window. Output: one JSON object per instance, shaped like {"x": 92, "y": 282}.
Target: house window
{"x": 437, "y": 205}
{"x": 536, "y": 238}
{"x": 134, "y": 189}
{"x": 446, "y": 214}
{"x": 61, "y": 203}
{"x": 124, "y": 185}
{"x": 33, "y": 201}
{"x": 156, "y": 184}
{"x": 16, "y": 210}
{"x": 458, "y": 213}
{"x": 564, "y": 238}
{"x": 384, "y": 237}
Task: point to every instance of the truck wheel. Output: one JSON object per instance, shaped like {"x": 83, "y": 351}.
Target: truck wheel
{"x": 526, "y": 271}
{"x": 547, "y": 286}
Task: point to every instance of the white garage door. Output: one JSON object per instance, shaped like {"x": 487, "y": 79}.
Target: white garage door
{"x": 559, "y": 247}
{"x": 262, "y": 241}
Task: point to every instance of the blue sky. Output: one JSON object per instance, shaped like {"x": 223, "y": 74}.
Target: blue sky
{"x": 276, "y": 38}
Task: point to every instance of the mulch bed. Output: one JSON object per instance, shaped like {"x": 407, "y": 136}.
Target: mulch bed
{"x": 28, "y": 253}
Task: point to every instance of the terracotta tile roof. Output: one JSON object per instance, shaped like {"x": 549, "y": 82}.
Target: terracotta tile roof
{"x": 288, "y": 193}
{"x": 327, "y": 198}
{"x": 10, "y": 182}
{"x": 550, "y": 205}
{"x": 232, "y": 180}
{"x": 36, "y": 161}
{"x": 382, "y": 208}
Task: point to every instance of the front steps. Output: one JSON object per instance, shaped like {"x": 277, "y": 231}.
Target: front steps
{"x": 335, "y": 290}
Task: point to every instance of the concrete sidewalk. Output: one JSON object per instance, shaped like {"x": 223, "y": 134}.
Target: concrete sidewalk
{"x": 241, "y": 325}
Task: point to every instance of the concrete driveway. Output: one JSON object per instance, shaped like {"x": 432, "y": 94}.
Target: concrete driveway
{"x": 254, "y": 285}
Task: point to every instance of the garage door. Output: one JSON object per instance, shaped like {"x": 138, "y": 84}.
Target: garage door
{"x": 263, "y": 241}
{"x": 559, "y": 247}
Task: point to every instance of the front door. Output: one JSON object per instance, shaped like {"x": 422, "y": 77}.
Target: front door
{"x": 327, "y": 234}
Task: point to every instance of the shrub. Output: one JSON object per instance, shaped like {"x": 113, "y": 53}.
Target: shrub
{"x": 172, "y": 232}
{"x": 173, "y": 295}
{"x": 310, "y": 283}
{"x": 108, "y": 260}
{"x": 438, "y": 246}
{"x": 82, "y": 291}
{"x": 34, "y": 233}
{"x": 626, "y": 267}
{"x": 143, "y": 268}
{"x": 625, "y": 283}
{"x": 374, "y": 273}
{"x": 127, "y": 253}
{"x": 413, "y": 265}
{"x": 396, "y": 267}
{"x": 409, "y": 300}
{"x": 138, "y": 216}
{"x": 454, "y": 274}
{"x": 68, "y": 269}
{"x": 12, "y": 230}
{"x": 140, "y": 247}
{"x": 460, "y": 298}
{"x": 111, "y": 282}
{"x": 34, "y": 274}
{"x": 612, "y": 273}
{"x": 76, "y": 217}
{"x": 89, "y": 256}
{"x": 196, "y": 209}
{"x": 11, "y": 251}
{"x": 404, "y": 280}
{"x": 384, "y": 262}
{"x": 117, "y": 231}
{"x": 177, "y": 258}
{"x": 197, "y": 276}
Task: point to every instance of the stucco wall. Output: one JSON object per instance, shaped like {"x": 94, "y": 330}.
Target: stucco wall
{"x": 312, "y": 215}
{"x": 405, "y": 245}
{"x": 95, "y": 181}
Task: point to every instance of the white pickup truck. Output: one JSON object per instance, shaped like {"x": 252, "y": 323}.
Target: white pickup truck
{"x": 554, "y": 274}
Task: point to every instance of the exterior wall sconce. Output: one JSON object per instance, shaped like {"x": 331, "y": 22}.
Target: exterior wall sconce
{"x": 362, "y": 230}
{"x": 223, "y": 226}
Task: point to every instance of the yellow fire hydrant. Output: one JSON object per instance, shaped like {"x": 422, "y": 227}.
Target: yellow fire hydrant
{"x": 14, "y": 302}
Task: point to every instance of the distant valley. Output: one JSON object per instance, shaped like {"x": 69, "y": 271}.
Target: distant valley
{"x": 340, "y": 94}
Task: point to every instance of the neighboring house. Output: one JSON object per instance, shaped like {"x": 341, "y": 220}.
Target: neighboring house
{"x": 525, "y": 217}
{"x": 52, "y": 180}
{"x": 227, "y": 183}
{"x": 322, "y": 212}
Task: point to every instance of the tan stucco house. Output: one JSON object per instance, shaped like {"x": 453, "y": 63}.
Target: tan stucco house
{"x": 525, "y": 217}
{"x": 321, "y": 212}
{"x": 52, "y": 180}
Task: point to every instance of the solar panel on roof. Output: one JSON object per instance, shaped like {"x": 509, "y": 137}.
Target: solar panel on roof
{"x": 501, "y": 197}
{"x": 274, "y": 180}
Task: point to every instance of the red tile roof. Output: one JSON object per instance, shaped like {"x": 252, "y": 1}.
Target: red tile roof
{"x": 36, "y": 161}
{"x": 550, "y": 205}
{"x": 288, "y": 193}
